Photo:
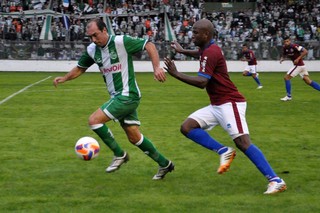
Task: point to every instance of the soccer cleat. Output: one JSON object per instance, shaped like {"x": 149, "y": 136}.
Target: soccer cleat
{"x": 117, "y": 162}
{"x": 163, "y": 171}
{"x": 226, "y": 159}
{"x": 260, "y": 87}
{"x": 275, "y": 187}
{"x": 286, "y": 98}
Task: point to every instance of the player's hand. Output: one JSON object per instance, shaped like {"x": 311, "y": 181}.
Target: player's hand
{"x": 176, "y": 46}
{"x": 160, "y": 75}
{"x": 58, "y": 80}
{"x": 171, "y": 67}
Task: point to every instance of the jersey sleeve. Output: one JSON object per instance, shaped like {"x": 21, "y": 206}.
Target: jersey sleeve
{"x": 85, "y": 60}
{"x": 134, "y": 45}
{"x": 298, "y": 48}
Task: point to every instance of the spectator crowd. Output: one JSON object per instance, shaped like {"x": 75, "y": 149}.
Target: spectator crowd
{"x": 262, "y": 27}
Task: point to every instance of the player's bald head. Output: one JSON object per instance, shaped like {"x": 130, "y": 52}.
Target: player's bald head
{"x": 205, "y": 25}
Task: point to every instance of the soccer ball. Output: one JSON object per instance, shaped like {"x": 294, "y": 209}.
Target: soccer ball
{"x": 87, "y": 148}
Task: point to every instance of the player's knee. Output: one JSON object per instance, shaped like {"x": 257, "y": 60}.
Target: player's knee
{"x": 133, "y": 133}
{"x": 307, "y": 80}
{"x": 98, "y": 117}
{"x": 242, "y": 142}
{"x": 184, "y": 129}
{"x": 134, "y": 139}
{"x": 287, "y": 77}
{"x": 92, "y": 120}
{"x": 188, "y": 125}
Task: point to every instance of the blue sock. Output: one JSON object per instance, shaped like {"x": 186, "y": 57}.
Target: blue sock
{"x": 202, "y": 138}
{"x": 257, "y": 80}
{"x": 258, "y": 159}
{"x": 288, "y": 87}
{"x": 249, "y": 74}
{"x": 315, "y": 85}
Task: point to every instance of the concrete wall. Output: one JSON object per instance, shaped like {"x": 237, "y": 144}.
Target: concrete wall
{"x": 145, "y": 66}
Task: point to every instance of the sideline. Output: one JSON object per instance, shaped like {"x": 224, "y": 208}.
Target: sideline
{"x": 146, "y": 66}
{"x": 22, "y": 90}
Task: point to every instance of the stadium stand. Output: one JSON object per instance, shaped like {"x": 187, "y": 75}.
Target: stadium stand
{"x": 261, "y": 24}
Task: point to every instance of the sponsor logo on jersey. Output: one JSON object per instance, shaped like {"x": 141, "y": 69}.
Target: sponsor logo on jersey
{"x": 113, "y": 68}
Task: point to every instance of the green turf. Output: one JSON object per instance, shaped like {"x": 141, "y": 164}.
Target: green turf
{"x": 40, "y": 172}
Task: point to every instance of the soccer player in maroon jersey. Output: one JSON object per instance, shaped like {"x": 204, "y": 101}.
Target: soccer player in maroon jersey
{"x": 251, "y": 68}
{"x": 227, "y": 106}
{"x": 296, "y": 53}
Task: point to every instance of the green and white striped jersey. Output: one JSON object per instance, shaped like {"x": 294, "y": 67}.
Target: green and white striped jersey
{"x": 115, "y": 63}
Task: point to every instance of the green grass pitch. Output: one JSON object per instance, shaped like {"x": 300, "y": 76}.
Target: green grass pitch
{"x": 40, "y": 171}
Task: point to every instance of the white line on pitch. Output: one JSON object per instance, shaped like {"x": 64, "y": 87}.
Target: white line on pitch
{"x": 22, "y": 90}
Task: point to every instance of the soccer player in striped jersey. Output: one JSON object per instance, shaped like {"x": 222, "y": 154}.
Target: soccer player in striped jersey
{"x": 251, "y": 68}
{"x": 113, "y": 55}
{"x": 296, "y": 53}
{"x": 227, "y": 106}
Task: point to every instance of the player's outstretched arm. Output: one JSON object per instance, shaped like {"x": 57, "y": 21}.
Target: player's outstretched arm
{"x": 74, "y": 73}
{"x": 178, "y": 48}
{"x": 159, "y": 73}
{"x": 196, "y": 81}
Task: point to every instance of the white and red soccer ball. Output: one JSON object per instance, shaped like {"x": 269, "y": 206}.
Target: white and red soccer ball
{"x": 87, "y": 148}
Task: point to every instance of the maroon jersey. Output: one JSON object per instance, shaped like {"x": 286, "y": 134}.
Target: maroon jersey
{"x": 293, "y": 51}
{"x": 219, "y": 88}
{"x": 251, "y": 58}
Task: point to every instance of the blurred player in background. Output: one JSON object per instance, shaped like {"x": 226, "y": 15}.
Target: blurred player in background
{"x": 227, "y": 107}
{"x": 296, "y": 53}
{"x": 251, "y": 68}
{"x": 113, "y": 55}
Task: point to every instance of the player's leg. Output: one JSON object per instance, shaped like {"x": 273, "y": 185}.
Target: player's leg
{"x": 143, "y": 143}
{"x": 310, "y": 82}
{"x": 287, "y": 81}
{"x": 276, "y": 184}
{"x": 255, "y": 76}
{"x": 131, "y": 128}
{"x": 194, "y": 128}
{"x": 246, "y": 73}
{"x": 242, "y": 140}
{"x": 97, "y": 122}
{"x": 115, "y": 109}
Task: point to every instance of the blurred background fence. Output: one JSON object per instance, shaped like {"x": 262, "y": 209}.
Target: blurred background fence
{"x": 64, "y": 50}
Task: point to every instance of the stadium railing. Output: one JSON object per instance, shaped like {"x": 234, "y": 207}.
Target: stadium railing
{"x": 62, "y": 50}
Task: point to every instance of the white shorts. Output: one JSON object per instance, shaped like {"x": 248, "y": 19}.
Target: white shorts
{"x": 230, "y": 116}
{"x": 301, "y": 70}
{"x": 251, "y": 68}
